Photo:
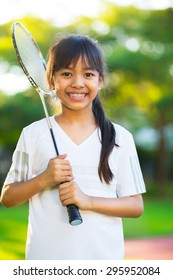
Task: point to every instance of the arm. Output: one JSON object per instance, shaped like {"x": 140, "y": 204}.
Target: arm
{"x": 57, "y": 171}
{"x": 17, "y": 193}
{"x": 129, "y": 206}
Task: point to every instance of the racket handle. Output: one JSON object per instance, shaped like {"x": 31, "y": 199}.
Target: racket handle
{"x": 75, "y": 218}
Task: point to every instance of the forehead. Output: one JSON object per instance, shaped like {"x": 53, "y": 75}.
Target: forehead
{"x": 81, "y": 62}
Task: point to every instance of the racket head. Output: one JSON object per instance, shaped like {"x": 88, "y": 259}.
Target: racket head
{"x": 30, "y": 57}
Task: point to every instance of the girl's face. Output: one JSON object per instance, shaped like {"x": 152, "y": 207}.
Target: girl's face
{"x": 76, "y": 87}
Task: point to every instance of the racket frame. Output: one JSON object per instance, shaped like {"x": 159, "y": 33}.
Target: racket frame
{"x": 40, "y": 91}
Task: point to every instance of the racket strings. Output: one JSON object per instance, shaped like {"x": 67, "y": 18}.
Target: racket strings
{"x": 31, "y": 57}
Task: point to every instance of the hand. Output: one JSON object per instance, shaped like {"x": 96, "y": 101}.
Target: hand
{"x": 57, "y": 171}
{"x": 70, "y": 193}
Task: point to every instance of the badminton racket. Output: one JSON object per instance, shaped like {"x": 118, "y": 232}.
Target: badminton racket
{"x": 34, "y": 67}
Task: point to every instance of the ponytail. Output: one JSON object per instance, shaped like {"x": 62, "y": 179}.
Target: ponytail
{"x": 107, "y": 140}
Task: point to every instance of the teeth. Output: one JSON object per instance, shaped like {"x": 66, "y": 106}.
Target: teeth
{"x": 77, "y": 94}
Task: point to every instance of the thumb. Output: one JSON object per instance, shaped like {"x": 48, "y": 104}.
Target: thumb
{"x": 62, "y": 156}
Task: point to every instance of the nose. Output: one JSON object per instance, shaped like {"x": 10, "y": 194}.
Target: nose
{"x": 77, "y": 82}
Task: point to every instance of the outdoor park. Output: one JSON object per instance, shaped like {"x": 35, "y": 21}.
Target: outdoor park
{"x": 138, "y": 47}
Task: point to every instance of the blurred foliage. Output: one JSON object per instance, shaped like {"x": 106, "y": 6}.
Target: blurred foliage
{"x": 16, "y": 112}
{"x": 42, "y": 30}
{"x": 138, "y": 49}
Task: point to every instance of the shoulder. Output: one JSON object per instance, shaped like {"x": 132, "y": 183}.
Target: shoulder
{"x": 36, "y": 131}
{"x": 35, "y": 134}
{"x": 122, "y": 134}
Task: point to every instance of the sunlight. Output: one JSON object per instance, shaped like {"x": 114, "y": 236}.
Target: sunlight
{"x": 60, "y": 12}
{"x": 145, "y": 4}
{"x": 13, "y": 81}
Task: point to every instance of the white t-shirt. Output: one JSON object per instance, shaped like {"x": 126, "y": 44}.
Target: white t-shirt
{"x": 50, "y": 236}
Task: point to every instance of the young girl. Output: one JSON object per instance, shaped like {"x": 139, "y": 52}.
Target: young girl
{"x": 97, "y": 170}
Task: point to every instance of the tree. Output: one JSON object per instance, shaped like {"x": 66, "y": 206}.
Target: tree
{"x": 17, "y": 111}
{"x": 138, "y": 49}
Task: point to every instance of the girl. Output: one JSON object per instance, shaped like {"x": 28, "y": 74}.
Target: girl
{"x": 98, "y": 169}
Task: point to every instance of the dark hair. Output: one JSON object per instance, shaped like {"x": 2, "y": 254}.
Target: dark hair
{"x": 66, "y": 51}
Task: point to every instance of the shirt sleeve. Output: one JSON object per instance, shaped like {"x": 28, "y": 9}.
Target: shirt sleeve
{"x": 20, "y": 161}
{"x": 129, "y": 175}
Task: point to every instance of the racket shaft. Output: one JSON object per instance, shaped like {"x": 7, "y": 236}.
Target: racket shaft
{"x": 73, "y": 212}
{"x": 54, "y": 142}
{"x": 42, "y": 94}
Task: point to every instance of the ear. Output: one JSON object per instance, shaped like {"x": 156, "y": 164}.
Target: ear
{"x": 101, "y": 82}
{"x": 52, "y": 83}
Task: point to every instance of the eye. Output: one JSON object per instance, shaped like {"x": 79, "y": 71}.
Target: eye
{"x": 66, "y": 74}
{"x": 89, "y": 74}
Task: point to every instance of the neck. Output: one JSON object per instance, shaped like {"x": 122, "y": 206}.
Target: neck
{"x": 83, "y": 117}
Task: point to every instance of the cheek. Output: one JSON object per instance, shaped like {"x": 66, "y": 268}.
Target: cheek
{"x": 61, "y": 83}
{"x": 96, "y": 88}
{"x": 57, "y": 87}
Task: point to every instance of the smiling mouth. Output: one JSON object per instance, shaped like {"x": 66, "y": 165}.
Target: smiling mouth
{"x": 77, "y": 95}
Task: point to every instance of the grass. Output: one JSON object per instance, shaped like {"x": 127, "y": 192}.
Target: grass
{"x": 13, "y": 228}
{"x": 155, "y": 221}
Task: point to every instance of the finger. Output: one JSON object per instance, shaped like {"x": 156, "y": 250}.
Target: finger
{"x": 66, "y": 179}
{"x": 64, "y": 189}
{"x": 67, "y": 199}
{"x": 60, "y": 159}
{"x": 68, "y": 202}
{"x": 63, "y": 174}
{"x": 59, "y": 173}
{"x": 67, "y": 190}
{"x": 67, "y": 185}
{"x": 64, "y": 167}
{"x": 64, "y": 185}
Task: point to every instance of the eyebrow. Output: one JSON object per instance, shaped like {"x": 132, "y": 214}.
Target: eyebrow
{"x": 89, "y": 68}
{"x": 85, "y": 68}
